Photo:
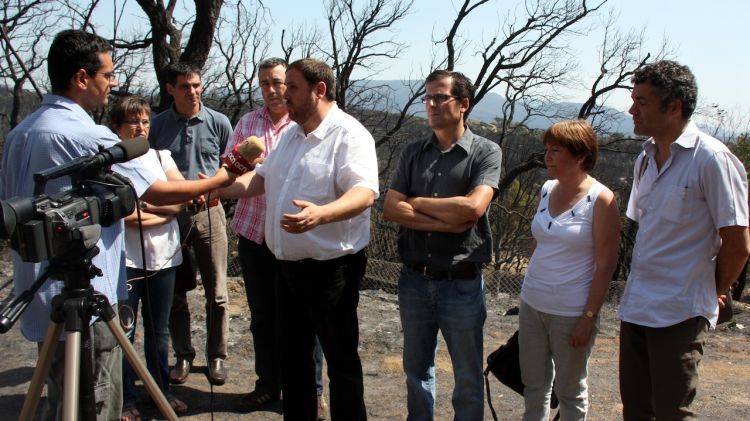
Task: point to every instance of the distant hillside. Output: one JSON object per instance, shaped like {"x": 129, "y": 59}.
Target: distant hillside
{"x": 490, "y": 107}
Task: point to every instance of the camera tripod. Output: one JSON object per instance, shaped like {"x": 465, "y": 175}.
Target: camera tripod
{"x": 74, "y": 307}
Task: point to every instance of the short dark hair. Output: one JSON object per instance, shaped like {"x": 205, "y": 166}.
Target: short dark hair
{"x": 578, "y": 137}
{"x": 315, "y": 71}
{"x": 174, "y": 70}
{"x": 671, "y": 81}
{"x": 462, "y": 85}
{"x": 71, "y": 51}
{"x": 126, "y": 106}
{"x": 272, "y": 62}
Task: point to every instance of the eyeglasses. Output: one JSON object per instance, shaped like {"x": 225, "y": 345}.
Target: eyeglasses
{"x": 437, "y": 98}
{"x": 135, "y": 123}
{"x": 109, "y": 75}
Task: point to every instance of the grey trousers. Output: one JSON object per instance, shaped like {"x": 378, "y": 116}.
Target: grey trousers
{"x": 546, "y": 356}
{"x": 209, "y": 242}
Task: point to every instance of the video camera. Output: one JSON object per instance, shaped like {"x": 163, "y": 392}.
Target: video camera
{"x": 68, "y": 223}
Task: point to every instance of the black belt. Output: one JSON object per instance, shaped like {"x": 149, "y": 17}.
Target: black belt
{"x": 466, "y": 270}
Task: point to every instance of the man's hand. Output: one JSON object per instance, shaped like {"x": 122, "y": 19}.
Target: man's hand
{"x": 309, "y": 217}
{"x": 722, "y": 301}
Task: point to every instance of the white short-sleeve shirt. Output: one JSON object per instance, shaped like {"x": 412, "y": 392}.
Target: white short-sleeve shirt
{"x": 702, "y": 187}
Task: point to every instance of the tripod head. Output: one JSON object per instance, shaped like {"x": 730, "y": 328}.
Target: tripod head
{"x": 76, "y": 273}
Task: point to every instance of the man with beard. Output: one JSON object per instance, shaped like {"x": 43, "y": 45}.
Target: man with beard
{"x": 258, "y": 263}
{"x": 319, "y": 182}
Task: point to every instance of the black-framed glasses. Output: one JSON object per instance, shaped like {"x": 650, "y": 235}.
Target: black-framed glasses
{"x": 438, "y": 98}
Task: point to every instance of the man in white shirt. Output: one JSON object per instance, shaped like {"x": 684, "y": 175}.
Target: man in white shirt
{"x": 689, "y": 197}
{"x": 320, "y": 182}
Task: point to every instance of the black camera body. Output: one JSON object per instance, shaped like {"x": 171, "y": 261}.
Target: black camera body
{"x": 49, "y": 227}
{"x": 66, "y": 224}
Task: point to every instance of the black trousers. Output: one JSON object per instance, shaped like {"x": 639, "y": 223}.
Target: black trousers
{"x": 320, "y": 298}
{"x": 259, "y": 272}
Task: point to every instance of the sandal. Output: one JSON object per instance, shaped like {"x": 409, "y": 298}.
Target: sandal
{"x": 178, "y": 406}
{"x": 130, "y": 413}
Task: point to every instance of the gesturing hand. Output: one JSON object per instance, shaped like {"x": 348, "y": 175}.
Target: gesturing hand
{"x": 309, "y": 217}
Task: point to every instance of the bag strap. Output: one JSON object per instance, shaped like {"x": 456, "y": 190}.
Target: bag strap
{"x": 644, "y": 165}
{"x": 489, "y": 395}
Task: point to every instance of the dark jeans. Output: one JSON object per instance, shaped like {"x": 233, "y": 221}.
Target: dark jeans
{"x": 659, "y": 369}
{"x": 321, "y": 297}
{"x": 155, "y": 293}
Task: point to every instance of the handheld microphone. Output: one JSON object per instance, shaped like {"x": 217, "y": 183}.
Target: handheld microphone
{"x": 239, "y": 159}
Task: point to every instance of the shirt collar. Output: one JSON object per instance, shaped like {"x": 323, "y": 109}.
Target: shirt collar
{"x": 178, "y": 117}
{"x": 265, "y": 114}
{"x": 65, "y": 102}
{"x": 464, "y": 141}
{"x": 321, "y": 131}
{"x": 686, "y": 140}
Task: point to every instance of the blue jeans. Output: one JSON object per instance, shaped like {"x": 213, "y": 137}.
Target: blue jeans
{"x": 155, "y": 293}
{"x": 457, "y": 309}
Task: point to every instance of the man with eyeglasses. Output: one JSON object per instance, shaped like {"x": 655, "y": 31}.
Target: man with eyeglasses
{"x": 439, "y": 194}
{"x": 196, "y": 136}
{"x": 81, "y": 74}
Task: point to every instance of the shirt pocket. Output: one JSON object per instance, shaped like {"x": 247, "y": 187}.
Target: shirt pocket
{"x": 209, "y": 147}
{"x": 678, "y": 200}
{"x": 314, "y": 180}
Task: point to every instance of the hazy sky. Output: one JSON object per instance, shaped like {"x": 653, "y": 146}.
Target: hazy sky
{"x": 707, "y": 35}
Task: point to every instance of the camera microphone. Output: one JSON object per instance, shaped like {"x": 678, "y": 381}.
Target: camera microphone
{"x": 89, "y": 166}
{"x": 121, "y": 152}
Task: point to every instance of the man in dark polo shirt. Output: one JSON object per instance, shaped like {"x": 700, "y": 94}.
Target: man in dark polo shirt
{"x": 439, "y": 195}
{"x": 196, "y": 136}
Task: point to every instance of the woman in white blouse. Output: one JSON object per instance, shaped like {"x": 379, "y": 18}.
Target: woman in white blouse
{"x": 576, "y": 233}
{"x": 130, "y": 117}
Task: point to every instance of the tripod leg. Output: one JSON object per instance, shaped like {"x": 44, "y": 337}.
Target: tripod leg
{"x": 46, "y": 356}
{"x": 71, "y": 383}
{"x": 140, "y": 369}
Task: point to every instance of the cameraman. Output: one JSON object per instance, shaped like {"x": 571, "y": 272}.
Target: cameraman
{"x": 81, "y": 75}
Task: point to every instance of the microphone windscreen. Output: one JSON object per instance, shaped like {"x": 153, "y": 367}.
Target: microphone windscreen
{"x": 240, "y": 159}
{"x": 134, "y": 147}
{"x": 251, "y": 148}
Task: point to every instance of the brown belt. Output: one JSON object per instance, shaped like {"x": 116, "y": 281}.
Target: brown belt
{"x": 195, "y": 207}
{"x": 465, "y": 271}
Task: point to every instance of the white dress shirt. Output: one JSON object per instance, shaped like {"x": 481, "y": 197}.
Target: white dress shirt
{"x": 319, "y": 167}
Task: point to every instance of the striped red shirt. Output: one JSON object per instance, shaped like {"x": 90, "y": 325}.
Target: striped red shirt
{"x": 250, "y": 213}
